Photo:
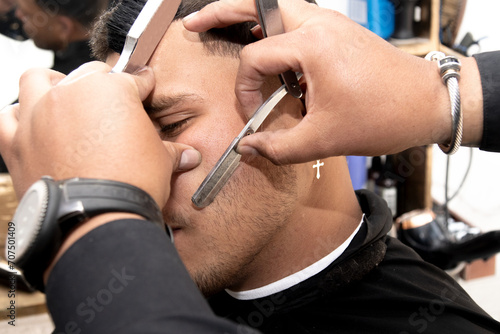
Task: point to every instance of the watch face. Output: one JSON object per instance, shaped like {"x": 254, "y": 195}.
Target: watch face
{"x": 29, "y": 217}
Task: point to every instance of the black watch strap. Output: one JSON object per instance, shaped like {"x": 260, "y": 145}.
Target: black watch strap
{"x": 85, "y": 198}
{"x": 72, "y": 201}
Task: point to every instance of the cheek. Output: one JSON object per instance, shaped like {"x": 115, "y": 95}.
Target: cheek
{"x": 211, "y": 141}
{"x": 212, "y": 135}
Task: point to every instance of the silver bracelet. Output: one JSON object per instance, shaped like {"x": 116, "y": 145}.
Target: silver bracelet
{"x": 449, "y": 69}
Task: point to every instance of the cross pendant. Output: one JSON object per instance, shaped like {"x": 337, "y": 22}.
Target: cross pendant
{"x": 318, "y": 165}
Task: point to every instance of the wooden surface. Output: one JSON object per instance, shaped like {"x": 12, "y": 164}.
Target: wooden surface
{"x": 26, "y": 303}
{"x": 414, "y": 175}
{"x": 8, "y": 204}
{"x": 427, "y": 31}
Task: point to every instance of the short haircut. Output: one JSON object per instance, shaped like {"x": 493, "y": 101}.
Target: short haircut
{"x": 111, "y": 30}
{"x": 86, "y": 12}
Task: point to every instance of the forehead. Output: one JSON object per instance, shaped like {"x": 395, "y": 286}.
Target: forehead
{"x": 181, "y": 61}
{"x": 28, "y": 5}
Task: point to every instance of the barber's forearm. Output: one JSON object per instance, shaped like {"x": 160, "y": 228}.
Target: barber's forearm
{"x": 85, "y": 228}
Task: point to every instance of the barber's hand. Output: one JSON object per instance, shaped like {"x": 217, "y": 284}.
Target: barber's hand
{"x": 89, "y": 124}
{"x": 363, "y": 96}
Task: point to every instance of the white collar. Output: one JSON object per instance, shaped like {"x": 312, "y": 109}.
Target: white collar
{"x": 300, "y": 276}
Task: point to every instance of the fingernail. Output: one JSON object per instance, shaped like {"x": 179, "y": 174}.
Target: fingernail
{"x": 247, "y": 150}
{"x": 189, "y": 17}
{"x": 142, "y": 69}
{"x": 190, "y": 158}
{"x": 255, "y": 27}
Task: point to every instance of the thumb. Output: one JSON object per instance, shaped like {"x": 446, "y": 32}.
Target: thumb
{"x": 8, "y": 126}
{"x": 301, "y": 143}
{"x": 145, "y": 81}
{"x": 184, "y": 157}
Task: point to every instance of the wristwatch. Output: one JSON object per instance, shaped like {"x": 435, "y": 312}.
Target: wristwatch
{"x": 51, "y": 209}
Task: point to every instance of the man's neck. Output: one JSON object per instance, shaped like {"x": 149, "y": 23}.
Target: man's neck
{"x": 326, "y": 216}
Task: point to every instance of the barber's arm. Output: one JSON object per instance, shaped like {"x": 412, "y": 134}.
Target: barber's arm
{"x": 90, "y": 124}
{"x": 363, "y": 95}
{"x": 116, "y": 272}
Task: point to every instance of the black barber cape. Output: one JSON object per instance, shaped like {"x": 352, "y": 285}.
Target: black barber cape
{"x": 378, "y": 285}
{"x": 125, "y": 277}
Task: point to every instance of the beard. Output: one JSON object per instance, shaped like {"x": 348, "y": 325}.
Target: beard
{"x": 251, "y": 208}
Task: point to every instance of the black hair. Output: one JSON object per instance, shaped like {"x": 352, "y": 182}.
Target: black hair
{"x": 110, "y": 32}
{"x": 86, "y": 12}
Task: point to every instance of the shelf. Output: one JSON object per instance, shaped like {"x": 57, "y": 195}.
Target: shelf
{"x": 415, "y": 174}
{"x": 427, "y": 31}
{"x": 417, "y": 46}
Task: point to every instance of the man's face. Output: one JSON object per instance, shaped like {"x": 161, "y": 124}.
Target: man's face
{"x": 6, "y": 5}
{"x": 40, "y": 25}
{"x": 194, "y": 103}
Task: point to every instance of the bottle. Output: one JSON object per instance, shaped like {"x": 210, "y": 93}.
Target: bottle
{"x": 386, "y": 185}
{"x": 404, "y": 19}
{"x": 376, "y": 15}
{"x": 373, "y": 173}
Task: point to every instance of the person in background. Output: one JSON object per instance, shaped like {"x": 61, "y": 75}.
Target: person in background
{"x": 10, "y": 25}
{"x": 63, "y": 26}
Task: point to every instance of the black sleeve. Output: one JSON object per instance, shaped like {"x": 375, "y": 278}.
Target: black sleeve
{"x": 126, "y": 277}
{"x": 489, "y": 69}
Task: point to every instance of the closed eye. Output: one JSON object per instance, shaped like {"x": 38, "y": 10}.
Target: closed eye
{"x": 169, "y": 131}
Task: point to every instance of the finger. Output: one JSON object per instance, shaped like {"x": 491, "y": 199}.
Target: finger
{"x": 302, "y": 143}
{"x": 184, "y": 157}
{"x": 257, "y": 32}
{"x": 223, "y": 13}
{"x": 145, "y": 81}
{"x": 85, "y": 69}
{"x": 34, "y": 84}
{"x": 270, "y": 56}
{"x": 8, "y": 126}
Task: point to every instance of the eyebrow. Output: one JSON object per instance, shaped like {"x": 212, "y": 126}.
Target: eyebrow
{"x": 164, "y": 102}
